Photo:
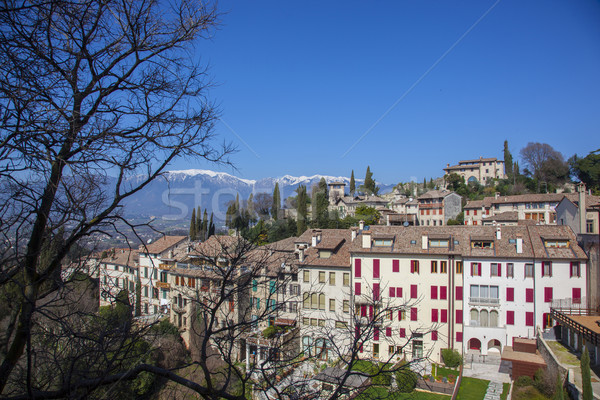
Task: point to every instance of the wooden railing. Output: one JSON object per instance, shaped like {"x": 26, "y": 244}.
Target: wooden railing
{"x": 564, "y": 319}
{"x": 163, "y": 285}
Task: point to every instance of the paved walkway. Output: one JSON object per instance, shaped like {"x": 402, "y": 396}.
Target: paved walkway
{"x": 494, "y": 391}
{"x": 495, "y": 371}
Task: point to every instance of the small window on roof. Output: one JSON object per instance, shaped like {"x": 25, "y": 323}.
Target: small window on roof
{"x": 482, "y": 244}
{"x": 556, "y": 243}
{"x": 438, "y": 242}
{"x": 512, "y": 241}
{"x": 382, "y": 242}
{"x": 413, "y": 242}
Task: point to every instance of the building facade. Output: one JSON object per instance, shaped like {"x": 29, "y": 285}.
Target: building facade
{"x": 481, "y": 171}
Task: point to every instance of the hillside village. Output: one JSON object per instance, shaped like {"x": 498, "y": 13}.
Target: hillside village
{"x": 412, "y": 287}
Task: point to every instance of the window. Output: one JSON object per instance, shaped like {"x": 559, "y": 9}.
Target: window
{"x": 438, "y": 242}
{"x": 484, "y": 294}
{"x": 414, "y": 266}
{"x": 322, "y": 302}
{"x": 376, "y": 268}
{"x": 547, "y": 294}
{"x": 434, "y": 293}
{"x": 145, "y": 272}
{"x": 434, "y": 267}
{"x": 306, "y": 276}
{"x": 475, "y": 269}
{"x": 357, "y": 268}
{"x": 459, "y": 316}
{"x": 413, "y": 292}
{"x": 496, "y": 269}
{"x": 392, "y": 292}
{"x": 443, "y": 293}
{"x": 314, "y": 301}
{"x": 382, "y": 242}
{"x": 529, "y": 295}
{"x": 459, "y": 336}
{"x": 332, "y": 279}
{"x": 510, "y": 318}
{"x": 331, "y": 304}
{"x": 434, "y": 335}
{"x": 376, "y": 348}
{"x": 341, "y": 324}
{"x": 510, "y": 294}
{"x": 402, "y": 332}
{"x": 556, "y": 243}
{"x": 589, "y": 226}
{"x": 510, "y": 270}
{"x": 443, "y": 316}
{"x": 395, "y": 265}
{"x": 346, "y": 306}
{"x": 272, "y": 287}
{"x": 413, "y": 314}
{"x": 401, "y": 315}
{"x": 577, "y": 295}
{"x": 547, "y": 268}
{"x": 444, "y": 267}
{"x": 376, "y": 333}
{"x": 357, "y": 288}
{"x": 388, "y": 331}
{"x": 321, "y": 277}
{"x": 528, "y": 319}
{"x": 459, "y": 293}
{"x": 376, "y": 292}
{"x": 482, "y": 244}
{"x": 434, "y": 315}
{"x": 575, "y": 269}
{"x": 528, "y": 270}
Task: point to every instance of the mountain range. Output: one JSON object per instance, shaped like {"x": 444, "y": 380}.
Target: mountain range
{"x": 173, "y": 196}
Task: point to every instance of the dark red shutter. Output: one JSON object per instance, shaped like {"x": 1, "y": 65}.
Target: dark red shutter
{"x": 357, "y": 266}
{"x": 396, "y": 266}
{"x": 376, "y": 268}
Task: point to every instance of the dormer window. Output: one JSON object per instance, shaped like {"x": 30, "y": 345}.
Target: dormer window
{"x": 556, "y": 243}
{"x": 482, "y": 244}
{"x": 324, "y": 253}
{"x": 382, "y": 242}
{"x": 438, "y": 243}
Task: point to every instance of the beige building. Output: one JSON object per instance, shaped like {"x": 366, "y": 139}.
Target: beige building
{"x": 481, "y": 171}
{"x": 118, "y": 270}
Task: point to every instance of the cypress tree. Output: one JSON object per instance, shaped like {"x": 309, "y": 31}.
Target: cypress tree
{"x": 369, "y": 184}
{"x": 586, "y": 379}
{"x": 508, "y": 160}
{"x": 301, "y": 208}
{"x": 352, "y": 184}
{"x": 198, "y": 222}
{"x": 211, "y": 227}
{"x": 205, "y": 225}
{"x": 193, "y": 225}
{"x": 322, "y": 204}
{"x": 276, "y": 202}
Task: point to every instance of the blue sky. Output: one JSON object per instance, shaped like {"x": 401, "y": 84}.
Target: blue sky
{"x": 424, "y": 83}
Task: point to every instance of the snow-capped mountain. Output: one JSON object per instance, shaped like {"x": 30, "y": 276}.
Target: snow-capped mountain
{"x": 173, "y": 196}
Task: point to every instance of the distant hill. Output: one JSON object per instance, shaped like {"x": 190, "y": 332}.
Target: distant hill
{"x": 172, "y": 197}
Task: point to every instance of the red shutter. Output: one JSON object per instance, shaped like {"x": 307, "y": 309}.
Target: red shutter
{"x": 413, "y": 314}
{"x": 444, "y": 316}
{"x": 459, "y": 336}
{"x": 363, "y": 310}
{"x": 376, "y": 268}
{"x": 529, "y": 295}
{"x": 434, "y": 315}
{"x": 434, "y": 335}
{"x": 371, "y": 312}
{"x": 413, "y": 291}
{"x": 412, "y": 266}
{"x": 357, "y": 288}
{"x": 443, "y": 292}
{"x": 402, "y": 332}
{"x": 396, "y": 266}
{"x": 510, "y": 318}
{"x": 376, "y": 292}
{"x": 434, "y": 293}
{"x": 459, "y": 293}
{"x": 529, "y": 319}
{"x": 400, "y": 312}
{"x": 459, "y": 316}
{"x": 499, "y": 269}
{"x": 392, "y": 292}
{"x": 398, "y": 292}
{"x": 376, "y": 333}
{"x": 479, "y": 269}
{"x": 388, "y": 331}
{"x": 357, "y": 268}
{"x": 547, "y": 294}
{"x": 571, "y": 270}
{"x": 576, "y": 295}
{"x": 510, "y": 294}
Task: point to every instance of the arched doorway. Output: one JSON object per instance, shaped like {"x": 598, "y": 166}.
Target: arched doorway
{"x": 494, "y": 346}
{"x": 474, "y": 344}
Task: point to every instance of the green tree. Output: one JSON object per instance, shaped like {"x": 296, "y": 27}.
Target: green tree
{"x": 368, "y": 214}
{"x": 276, "y": 202}
{"x": 193, "y": 225}
{"x": 211, "y": 227}
{"x": 301, "y": 209}
{"x": 587, "y": 169}
{"x": 352, "y": 184}
{"x": 508, "y": 160}
{"x": 586, "y": 379}
{"x": 369, "y": 186}
{"x": 204, "y": 225}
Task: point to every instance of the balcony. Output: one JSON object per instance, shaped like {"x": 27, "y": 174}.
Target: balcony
{"x": 177, "y": 309}
{"x": 163, "y": 285}
{"x": 484, "y": 301}
{"x": 165, "y": 267}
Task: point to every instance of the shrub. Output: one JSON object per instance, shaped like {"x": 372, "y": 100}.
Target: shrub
{"x": 452, "y": 358}
{"x": 406, "y": 380}
{"x": 543, "y": 381}
{"x": 270, "y": 331}
{"x": 523, "y": 381}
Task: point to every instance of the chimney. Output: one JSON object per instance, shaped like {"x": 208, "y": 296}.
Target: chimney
{"x": 387, "y": 219}
{"x": 519, "y": 244}
{"x": 498, "y": 232}
{"x": 496, "y": 195}
{"x": 582, "y": 207}
{"x": 424, "y": 241}
{"x": 447, "y": 165}
{"x": 301, "y": 253}
{"x": 361, "y": 225}
{"x": 366, "y": 239}
{"x": 354, "y": 231}
{"x": 316, "y": 237}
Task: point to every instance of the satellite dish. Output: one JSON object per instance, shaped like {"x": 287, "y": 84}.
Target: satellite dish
{"x": 406, "y": 223}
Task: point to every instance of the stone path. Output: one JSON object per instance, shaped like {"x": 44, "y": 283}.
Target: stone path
{"x": 494, "y": 391}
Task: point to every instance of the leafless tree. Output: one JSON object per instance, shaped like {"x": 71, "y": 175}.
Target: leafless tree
{"x": 544, "y": 163}
{"x": 89, "y": 90}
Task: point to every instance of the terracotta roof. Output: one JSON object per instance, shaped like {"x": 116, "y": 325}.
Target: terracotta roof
{"x": 435, "y": 194}
{"x": 219, "y": 246}
{"x": 530, "y": 198}
{"x": 162, "y": 244}
{"x": 340, "y": 256}
{"x": 127, "y": 257}
{"x": 507, "y": 216}
{"x": 477, "y": 204}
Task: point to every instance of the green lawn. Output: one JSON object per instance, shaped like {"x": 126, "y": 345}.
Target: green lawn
{"x": 445, "y": 372}
{"x": 378, "y": 392}
{"x": 505, "y": 390}
{"x": 472, "y": 389}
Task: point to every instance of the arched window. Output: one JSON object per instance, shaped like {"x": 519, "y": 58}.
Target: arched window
{"x": 493, "y": 318}
{"x": 315, "y": 301}
{"x": 474, "y": 317}
{"x": 306, "y": 345}
{"x": 322, "y": 349}
{"x": 483, "y": 318}
{"x": 322, "y": 302}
